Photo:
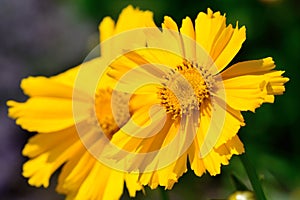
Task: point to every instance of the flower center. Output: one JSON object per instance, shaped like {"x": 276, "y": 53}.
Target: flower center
{"x": 111, "y": 110}
{"x": 185, "y": 89}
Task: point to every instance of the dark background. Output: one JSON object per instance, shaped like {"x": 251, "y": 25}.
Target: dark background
{"x": 47, "y": 37}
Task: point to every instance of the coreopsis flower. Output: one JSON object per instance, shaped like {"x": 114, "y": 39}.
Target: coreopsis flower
{"x": 48, "y": 111}
{"x": 183, "y": 79}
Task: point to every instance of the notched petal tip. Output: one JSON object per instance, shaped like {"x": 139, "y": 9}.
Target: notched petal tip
{"x": 169, "y": 23}
{"x": 209, "y": 12}
{"x": 12, "y": 109}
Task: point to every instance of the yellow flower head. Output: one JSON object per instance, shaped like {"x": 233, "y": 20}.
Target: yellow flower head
{"x": 49, "y": 112}
{"x": 186, "y": 100}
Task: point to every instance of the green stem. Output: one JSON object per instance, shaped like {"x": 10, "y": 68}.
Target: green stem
{"x": 256, "y": 185}
{"x": 164, "y": 195}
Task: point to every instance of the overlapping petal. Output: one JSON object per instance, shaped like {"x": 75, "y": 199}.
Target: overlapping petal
{"x": 108, "y": 28}
{"x": 249, "y": 84}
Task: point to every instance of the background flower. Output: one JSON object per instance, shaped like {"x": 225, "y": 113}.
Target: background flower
{"x": 50, "y": 111}
{"x": 272, "y": 30}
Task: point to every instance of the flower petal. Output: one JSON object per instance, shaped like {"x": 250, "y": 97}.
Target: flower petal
{"x": 275, "y": 85}
{"x": 136, "y": 17}
{"x": 252, "y": 67}
{"x": 132, "y": 140}
{"x": 167, "y": 176}
{"x": 123, "y": 31}
{"x": 188, "y": 37}
{"x": 47, "y": 152}
{"x": 187, "y": 28}
{"x": 101, "y": 183}
{"x": 43, "y": 114}
{"x": 145, "y": 66}
{"x": 208, "y": 28}
{"x": 232, "y": 48}
{"x": 42, "y": 86}
{"x": 211, "y": 134}
{"x": 262, "y": 68}
{"x": 169, "y": 24}
{"x": 106, "y": 28}
{"x": 211, "y": 162}
{"x": 132, "y": 183}
{"x": 221, "y": 43}
{"x": 245, "y": 92}
{"x": 74, "y": 172}
{"x": 56, "y": 86}
{"x": 232, "y": 146}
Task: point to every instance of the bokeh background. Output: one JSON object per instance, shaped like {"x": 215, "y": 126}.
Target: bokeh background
{"x": 47, "y": 37}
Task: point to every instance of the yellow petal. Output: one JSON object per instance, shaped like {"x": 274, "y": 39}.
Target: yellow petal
{"x": 42, "y": 86}
{"x": 35, "y": 147}
{"x": 188, "y": 37}
{"x": 187, "y": 28}
{"x": 106, "y": 28}
{"x": 47, "y": 152}
{"x": 232, "y": 122}
{"x": 208, "y": 28}
{"x": 42, "y": 114}
{"x": 196, "y": 162}
{"x": 123, "y": 31}
{"x": 253, "y": 67}
{"x": 171, "y": 37}
{"x": 221, "y": 43}
{"x": 145, "y": 66}
{"x": 136, "y": 17}
{"x": 145, "y": 135}
{"x": 144, "y": 98}
{"x": 166, "y": 176}
{"x": 231, "y": 147}
{"x": 169, "y": 24}
{"x": 211, "y": 134}
{"x": 101, "y": 183}
{"x": 263, "y": 70}
{"x": 211, "y": 162}
{"x": 56, "y": 86}
{"x": 61, "y": 85}
{"x": 68, "y": 77}
{"x": 75, "y": 171}
{"x": 132, "y": 183}
{"x": 232, "y": 48}
{"x": 276, "y": 83}
{"x": 218, "y": 123}
{"x": 245, "y": 92}
{"x": 171, "y": 169}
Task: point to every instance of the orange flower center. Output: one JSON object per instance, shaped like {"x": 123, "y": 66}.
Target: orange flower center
{"x": 185, "y": 90}
{"x": 111, "y": 110}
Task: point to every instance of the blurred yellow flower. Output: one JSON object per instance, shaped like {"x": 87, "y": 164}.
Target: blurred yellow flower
{"x": 184, "y": 72}
{"x": 48, "y": 111}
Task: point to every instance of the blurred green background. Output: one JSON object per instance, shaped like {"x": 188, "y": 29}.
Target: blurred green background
{"x": 48, "y": 37}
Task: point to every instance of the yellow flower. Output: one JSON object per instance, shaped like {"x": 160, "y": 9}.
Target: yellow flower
{"x": 48, "y": 111}
{"x": 198, "y": 98}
